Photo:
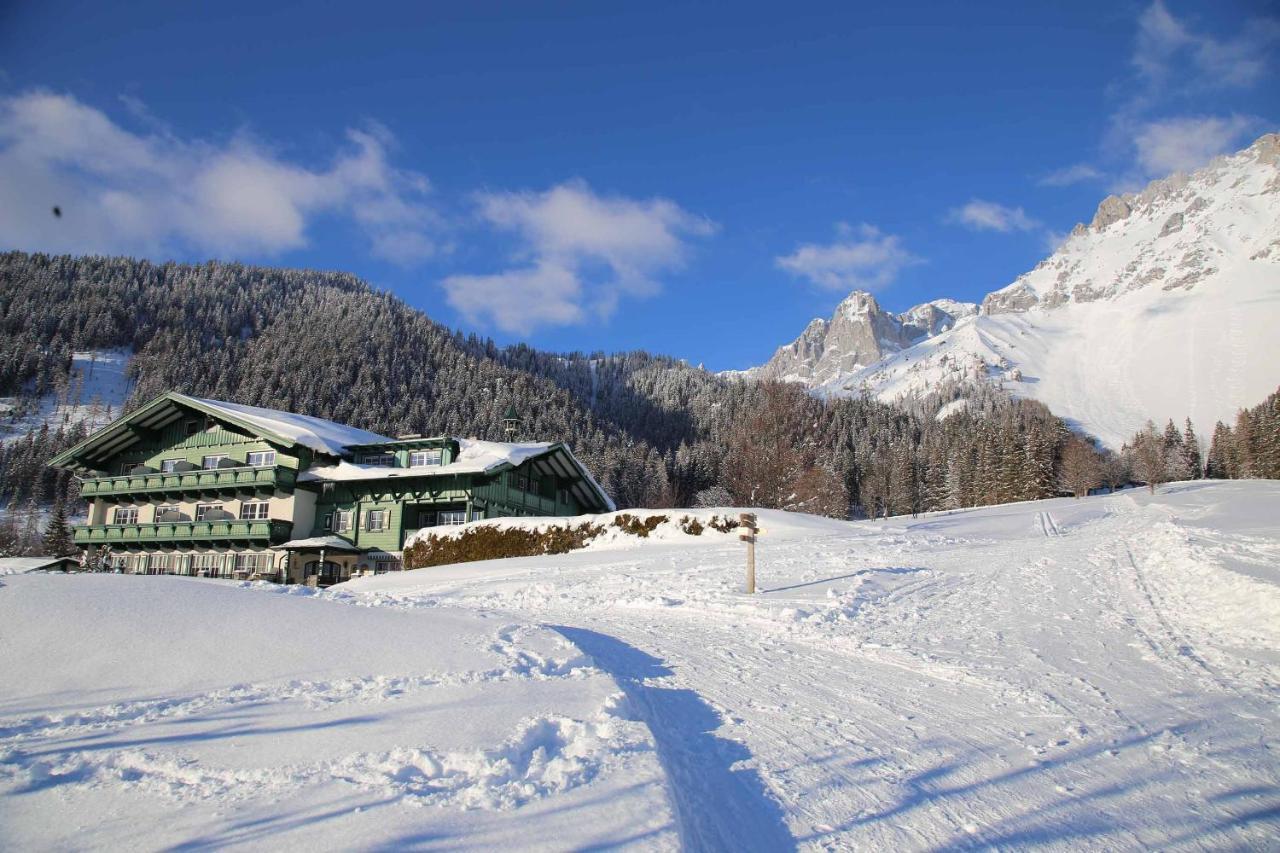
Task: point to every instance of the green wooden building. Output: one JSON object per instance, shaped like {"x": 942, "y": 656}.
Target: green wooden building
{"x": 202, "y": 487}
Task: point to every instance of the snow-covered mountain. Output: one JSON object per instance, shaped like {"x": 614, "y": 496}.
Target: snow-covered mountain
{"x": 860, "y": 333}
{"x": 1166, "y": 305}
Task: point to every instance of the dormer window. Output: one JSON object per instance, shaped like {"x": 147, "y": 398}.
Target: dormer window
{"x": 379, "y": 460}
{"x": 426, "y": 458}
{"x": 261, "y": 458}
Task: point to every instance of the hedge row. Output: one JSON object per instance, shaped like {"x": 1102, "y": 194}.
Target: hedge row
{"x": 490, "y": 542}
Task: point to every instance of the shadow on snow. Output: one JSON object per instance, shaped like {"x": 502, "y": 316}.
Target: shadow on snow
{"x": 717, "y": 807}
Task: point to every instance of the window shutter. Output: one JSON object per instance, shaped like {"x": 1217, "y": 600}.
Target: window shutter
{"x": 364, "y": 524}
{"x": 386, "y": 520}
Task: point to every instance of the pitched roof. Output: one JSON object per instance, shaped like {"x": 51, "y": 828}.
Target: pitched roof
{"x": 315, "y": 433}
{"x": 284, "y": 428}
{"x": 478, "y": 457}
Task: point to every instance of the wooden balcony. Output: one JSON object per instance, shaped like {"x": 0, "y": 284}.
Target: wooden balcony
{"x": 184, "y": 533}
{"x": 203, "y": 482}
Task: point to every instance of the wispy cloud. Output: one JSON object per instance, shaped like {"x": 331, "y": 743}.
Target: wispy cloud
{"x": 861, "y": 257}
{"x": 1173, "y": 62}
{"x": 1182, "y": 144}
{"x": 152, "y": 192}
{"x": 580, "y": 253}
{"x": 980, "y": 215}
{"x": 1167, "y": 48}
{"x": 1068, "y": 175}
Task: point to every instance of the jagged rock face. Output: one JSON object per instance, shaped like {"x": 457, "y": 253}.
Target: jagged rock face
{"x": 932, "y": 318}
{"x": 859, "y": 333}
{"x": 1174, "y": 234}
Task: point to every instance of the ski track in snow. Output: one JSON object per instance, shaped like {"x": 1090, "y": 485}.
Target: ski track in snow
{"x": 1097, "y": 674}
{"x": 945, "y": 692}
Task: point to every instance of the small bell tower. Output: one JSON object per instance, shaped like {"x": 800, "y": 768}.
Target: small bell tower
{"x": 511, "y": 423}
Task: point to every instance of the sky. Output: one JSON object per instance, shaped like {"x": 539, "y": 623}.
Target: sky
{"x": 698, "y": 180}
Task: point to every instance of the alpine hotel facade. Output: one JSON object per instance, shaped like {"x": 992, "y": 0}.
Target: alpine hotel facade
{"x": 201, "y": 487}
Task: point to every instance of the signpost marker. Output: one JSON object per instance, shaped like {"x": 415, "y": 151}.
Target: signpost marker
{"x": 747, "y": 522}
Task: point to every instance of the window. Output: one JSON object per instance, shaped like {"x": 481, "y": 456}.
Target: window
{"x": 167, "y": 512}
{"x": 383, "y": 563}
{"x": 125, "y": 515}
{"x": 425, "y": 458}
{"x": 343, "y": 521}
{"x": 261, "y": 458}
{"x": 381, "y": 460}
{"x": 250, "y": 563}
{"x": 453, "y": 516}
{"x": 208, "y": 463}
{"x": 206, "y": 565}
{"x": 126, "y": 467}
{"x": 168, "y": 466}
{"x": 328, "y": 521}
{"x": 192, "y": 427}
{"x": 254, "y": 510}
{"x": 204, "y": 510}
{"x": 376, "y": 519}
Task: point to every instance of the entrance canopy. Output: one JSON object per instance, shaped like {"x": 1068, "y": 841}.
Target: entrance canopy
{"x": 319, "y": 543}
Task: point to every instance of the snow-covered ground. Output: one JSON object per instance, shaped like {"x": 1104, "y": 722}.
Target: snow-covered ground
{"x": 1099, "y": 673}
{"x": 98, "y": 387}
{"x": 156, "y": 712}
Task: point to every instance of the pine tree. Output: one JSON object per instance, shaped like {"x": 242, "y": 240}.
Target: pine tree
{"x": 57, "y": 535}
{"x": 1192, "y": 465}
{"x": 1218, "y": 463}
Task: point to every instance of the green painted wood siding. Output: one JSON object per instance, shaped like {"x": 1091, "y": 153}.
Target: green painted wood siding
{"x": 174, "y": 443}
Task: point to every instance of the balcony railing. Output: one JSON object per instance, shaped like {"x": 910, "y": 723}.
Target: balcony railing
{"x": 203, "y": 480}
{"x": 183, "y": 532}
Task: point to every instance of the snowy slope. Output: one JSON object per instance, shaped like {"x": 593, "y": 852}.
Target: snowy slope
{"x": 97, "y": 389}
{"x": 1094, "y": 674}
{"x": 181, "y": 712}
{"x": 1166, "y": 306}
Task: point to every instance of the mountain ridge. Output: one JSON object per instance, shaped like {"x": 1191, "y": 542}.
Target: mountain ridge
{"x": 1126, "y": 304}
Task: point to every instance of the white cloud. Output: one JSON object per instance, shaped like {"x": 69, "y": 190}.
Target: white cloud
{"x": 862, "y": 257}
{"x": 1160, "y": 37}
{"x": 1069, "y": 175}
{"x": 520, "y": 300}
{"x": 581, "y": 252}
{"x": 982, "y": 215}
{"x": 1177, "y": 63}
{"x": 1167, "y": 47}
{"x": 1183, "y": 144}
{"x": 155, "y": 193}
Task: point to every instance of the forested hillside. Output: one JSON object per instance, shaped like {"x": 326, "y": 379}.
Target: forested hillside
{"x": 656, "y": 431}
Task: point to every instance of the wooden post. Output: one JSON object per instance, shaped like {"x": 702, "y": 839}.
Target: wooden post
{"x": 747, "y": 520}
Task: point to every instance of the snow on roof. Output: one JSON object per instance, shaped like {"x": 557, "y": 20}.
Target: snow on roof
{"x": 336, "y": 543}
{"x": 315, "y": 433}
{"x": 474, "y": 457}
{"x": 18, "y": 565}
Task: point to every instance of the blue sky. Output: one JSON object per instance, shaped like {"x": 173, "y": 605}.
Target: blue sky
{"x": 693, "y": 180}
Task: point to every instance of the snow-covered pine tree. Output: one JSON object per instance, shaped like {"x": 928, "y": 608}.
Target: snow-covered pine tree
{"x": 1192, "y": 465}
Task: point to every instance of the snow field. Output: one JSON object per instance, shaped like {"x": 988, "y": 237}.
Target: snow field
{"x": 223, "y": 715}
{"x": 1071, "y": 674}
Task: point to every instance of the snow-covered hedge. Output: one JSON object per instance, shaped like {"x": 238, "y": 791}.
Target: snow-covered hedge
{"x": 531, "y": 537}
